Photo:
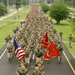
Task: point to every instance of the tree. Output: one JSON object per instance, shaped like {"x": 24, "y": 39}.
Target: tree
{"x": 41, "y": 1}
{"x": 69, "y": 2}
{"x": 18, "y": 3}
{"x": 44, "y": 7}
{"x": 25, "y": 2}
{"x": 48, "y": 1}
{"x": 3, "y": 9}
{"x": 59, "y": 11}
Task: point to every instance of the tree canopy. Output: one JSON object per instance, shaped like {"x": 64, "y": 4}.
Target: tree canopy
{"x": 44, "y": 7}
{"x": 59, "y": 11}
{"x": 3, "y": 9}
{"x": 68, "y": 2}
{"x": 15, "y": 2}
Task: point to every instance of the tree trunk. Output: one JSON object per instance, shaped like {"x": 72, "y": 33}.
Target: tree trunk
{"x": 58, "y": 22}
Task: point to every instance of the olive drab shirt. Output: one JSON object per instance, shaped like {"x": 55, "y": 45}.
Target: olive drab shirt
{"x": 41, "y": 69}
{"x": 70, "y": 38}
{"x": 60, "y": 33}
{"x": 22, "y": 72}
{"x": 60, "y": 48}
{"x": 38, "y": 53}
{"x": 36, "y": 64}
{"x": 9, "y": 47}
{"x": 27, "y": 53}
{"x": 36, "y": 73}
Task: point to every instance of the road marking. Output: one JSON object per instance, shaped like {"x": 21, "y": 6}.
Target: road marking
{"x": 69, "y": 62}
{"x": 3, "y": 53}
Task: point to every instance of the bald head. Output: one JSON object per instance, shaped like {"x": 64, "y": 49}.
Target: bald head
{"x": 36, "y": 68}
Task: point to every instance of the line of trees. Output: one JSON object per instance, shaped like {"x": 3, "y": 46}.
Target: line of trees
{"x": 68, "y": 2}
{"x": 58, "y": 11}
{"x": 15, "y": 2}
{"x": 3, "y": 9}
{"x": 5, "y": 3}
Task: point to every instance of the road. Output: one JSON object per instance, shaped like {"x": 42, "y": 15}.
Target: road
{"x": 53, "y": 68}
{"x": 67, "y": 67}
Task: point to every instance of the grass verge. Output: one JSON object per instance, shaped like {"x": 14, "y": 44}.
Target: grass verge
{"x": 65, "y": 27}
{"x": 7, "y": 27}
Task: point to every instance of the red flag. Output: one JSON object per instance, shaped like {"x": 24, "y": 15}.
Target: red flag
{"x": 44, "y": 43}
{"x": 51, "y": 52}
{"x": 47, "y": 55}
{"x": 46, "y": 36}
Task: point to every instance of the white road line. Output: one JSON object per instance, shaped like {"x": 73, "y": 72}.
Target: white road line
{"x": 5, "y": 18}
{"x": 3, "y": 53}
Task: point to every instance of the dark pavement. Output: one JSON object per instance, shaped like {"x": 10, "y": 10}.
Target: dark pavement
{"x": 53, "y": 68}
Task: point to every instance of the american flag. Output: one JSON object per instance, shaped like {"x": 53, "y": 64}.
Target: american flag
{"x": 20, "y": 54}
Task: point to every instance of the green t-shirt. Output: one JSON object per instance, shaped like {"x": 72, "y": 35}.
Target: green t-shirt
{"x": 27, "y": 53}
{"x": 36, "y": 73}
{"x": 9, "y": 49}
{"x": 41, "y": 69}
{"x": 38, "y": 53}
{"x": 22, "y": 72}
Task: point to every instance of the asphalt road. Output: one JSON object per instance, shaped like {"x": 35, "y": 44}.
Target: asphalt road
{"x": 53, "y": 68}
{"x": 67, "y": 67}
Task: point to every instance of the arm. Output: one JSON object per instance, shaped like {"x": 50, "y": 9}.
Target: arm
{"x": 17, "y": 73}
{"x": 27, "y": 73}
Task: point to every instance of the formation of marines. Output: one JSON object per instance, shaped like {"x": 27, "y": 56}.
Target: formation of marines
{"x": 28, "y": 35}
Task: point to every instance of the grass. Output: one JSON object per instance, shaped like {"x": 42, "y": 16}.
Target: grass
{"x": 7, "y": 27}
{"x": 11, "y": 10}
{"x": 22, "y": 14}
{"x": 71, "y": 50}
{"x": 65, "y": 27}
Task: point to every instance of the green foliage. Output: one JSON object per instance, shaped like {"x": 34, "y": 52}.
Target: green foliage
{"x": 69, "y": 2}
{"x": 59, "y": 11}
{"x": 18, "y": 3}
{"x": 41, "y": 1}
{"x": 65, "y": 27}
{"x": 48, "y": 1}
{"x": 7, "y": 27}
{"x": 3, "y": 9}
{"x": 25, "y": 2}
{"x": 44, "y": 7}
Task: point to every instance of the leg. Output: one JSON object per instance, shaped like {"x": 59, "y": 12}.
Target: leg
{"x": 59, "y": 59}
